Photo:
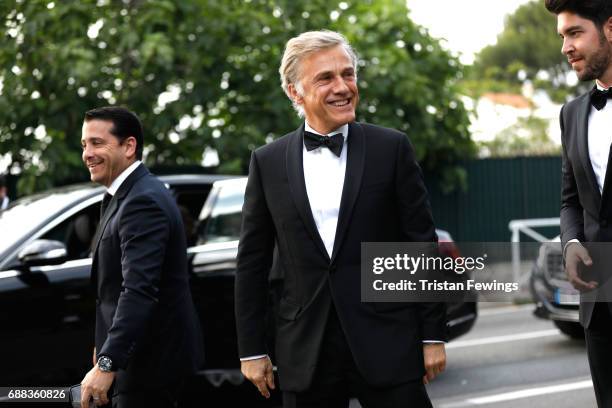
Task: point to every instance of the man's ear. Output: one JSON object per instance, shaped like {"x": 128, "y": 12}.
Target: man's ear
{"x": 607, "y": 29}
{"x": 130, "y": 146}
{"x": 295, "y": 95}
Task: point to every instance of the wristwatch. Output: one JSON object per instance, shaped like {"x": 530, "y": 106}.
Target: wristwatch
{"x": 105, "y": 364}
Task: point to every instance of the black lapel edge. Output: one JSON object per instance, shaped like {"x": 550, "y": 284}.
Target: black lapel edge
{"x": 297, "y": 185}
{"x": 582, "y": 132}
{"x": 355, "y": 164}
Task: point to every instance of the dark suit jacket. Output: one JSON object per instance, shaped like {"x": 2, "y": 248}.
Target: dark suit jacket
{"x": 145, "y": 318}
{"x": 383, "y": 199}
{"x": 586, "y": 214}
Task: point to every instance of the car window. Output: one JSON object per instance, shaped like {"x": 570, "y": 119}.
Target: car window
{"x": 77, "y": 232}
{"x": 190, "y": 200}
{"x": 226, "y": 216}
{"x": 28, "y": 214}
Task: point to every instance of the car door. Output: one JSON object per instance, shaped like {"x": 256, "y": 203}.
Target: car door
{"x": 213, "y": 265}
{"x": 47, "y": 316}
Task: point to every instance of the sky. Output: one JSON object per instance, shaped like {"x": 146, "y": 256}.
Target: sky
{"x": 467, "y": 25}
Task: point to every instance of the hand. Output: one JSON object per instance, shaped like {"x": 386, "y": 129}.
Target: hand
{"x": 575, "y": 253}
{"x": 96, "y": 384}
{"x": 259, "y": 372}
{"x": 435, "y": 360}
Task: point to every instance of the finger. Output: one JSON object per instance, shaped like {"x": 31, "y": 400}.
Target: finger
{"x": 261, "y": 386}
{"x": 103, "y": 398}
{"x": 429, "y": 373}
{"x": 85, "y": 395}
{"x": 576, "y": 281}
{"x": 434, "y": 372}
{"x": 270, "y": 379}
{"x": 584, "y": 256}
{"x": 425, "y": 381}
{"x": 263, "y": 390}
{"x": 581, "y": 285}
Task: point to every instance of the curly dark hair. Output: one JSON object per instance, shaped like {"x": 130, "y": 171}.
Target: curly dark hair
{"x": 598, "y": 11}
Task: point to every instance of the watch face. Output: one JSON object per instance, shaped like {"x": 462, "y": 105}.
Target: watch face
{"x": 105, "y": 363}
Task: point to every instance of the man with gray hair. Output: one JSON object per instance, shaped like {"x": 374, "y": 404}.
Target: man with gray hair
{"x": 318, "y": 193}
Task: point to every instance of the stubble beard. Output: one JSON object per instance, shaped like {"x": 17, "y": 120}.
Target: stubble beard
{"x": 598, "y": 63}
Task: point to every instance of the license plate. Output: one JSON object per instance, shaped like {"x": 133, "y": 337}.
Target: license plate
{"x": 567, "y": 297}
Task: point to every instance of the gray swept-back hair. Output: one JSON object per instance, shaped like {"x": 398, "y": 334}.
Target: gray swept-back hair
{"x": 299, "y": 47}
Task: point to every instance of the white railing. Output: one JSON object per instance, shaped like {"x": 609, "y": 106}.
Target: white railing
{"x": 526, "y": 227}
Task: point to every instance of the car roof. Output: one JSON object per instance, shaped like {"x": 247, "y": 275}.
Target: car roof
{"x": 176, "y": 179}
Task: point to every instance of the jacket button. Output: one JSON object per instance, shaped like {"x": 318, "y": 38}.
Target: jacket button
{"x": 332, "y": 269}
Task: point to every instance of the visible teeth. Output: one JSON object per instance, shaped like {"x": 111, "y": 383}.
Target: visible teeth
{"x": 340, "y": 103}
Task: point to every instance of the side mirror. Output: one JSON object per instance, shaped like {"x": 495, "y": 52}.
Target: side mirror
{"x": 42, "y": 252}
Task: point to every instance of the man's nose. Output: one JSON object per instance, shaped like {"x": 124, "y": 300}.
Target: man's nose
{"x": 86, "y": 153}
{"x": 567, "y": 47}
{"x": 339, "y": 86}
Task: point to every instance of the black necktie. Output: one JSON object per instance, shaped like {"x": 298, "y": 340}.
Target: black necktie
{"x": 105, "y": 201}
{"x": 334, "y": 143}
{"x": 599, "y": 98}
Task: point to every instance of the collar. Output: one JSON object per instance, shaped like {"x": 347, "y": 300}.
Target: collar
{"x": 601, "y": 86}
{"x": 112, "y": 190}
{"x": 342, "y": 129}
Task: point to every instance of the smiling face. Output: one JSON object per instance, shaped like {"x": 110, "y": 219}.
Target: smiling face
{"x": 328, "y": 91}
{"x": 103, "y": 154}
{"x": 587, "y": 48}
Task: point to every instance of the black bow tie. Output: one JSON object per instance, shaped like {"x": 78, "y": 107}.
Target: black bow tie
{"x": 334, "y": 143}
{"x": 600, "y": 98}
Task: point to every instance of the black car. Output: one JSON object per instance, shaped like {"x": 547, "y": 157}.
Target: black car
{"x": 46, "y": 302}
{"x": 554, "y": 296}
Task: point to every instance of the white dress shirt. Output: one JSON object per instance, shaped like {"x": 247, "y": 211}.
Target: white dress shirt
{"x": 324, "y": 176}
{"x": 112, "y": 189}
{"x": 599, "y": 139}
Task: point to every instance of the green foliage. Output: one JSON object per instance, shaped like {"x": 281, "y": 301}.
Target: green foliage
{"x": 527, "y": 137}
{"x": 528, "y": 49}
{"x": 221, "y": 58}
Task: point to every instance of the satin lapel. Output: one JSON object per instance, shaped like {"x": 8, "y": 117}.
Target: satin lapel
{"x": 582, "y": 126}
{"x": 297, "y": 185}
{"x": 355, "y": 163}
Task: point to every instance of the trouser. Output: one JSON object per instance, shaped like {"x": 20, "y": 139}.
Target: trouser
{"x": 337, "y": 379}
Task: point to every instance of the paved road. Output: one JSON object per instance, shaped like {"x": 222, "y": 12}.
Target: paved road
{"x": 512, "y": 359}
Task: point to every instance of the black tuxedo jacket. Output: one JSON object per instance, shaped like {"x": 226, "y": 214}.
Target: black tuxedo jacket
{"x": 586, "y": 214}
{"x": 145, "y": 318}
{"x": 383, "y": 199}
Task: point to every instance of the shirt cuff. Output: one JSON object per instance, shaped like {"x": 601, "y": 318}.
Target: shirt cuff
{"x": 567, "y": 244}
{"x": 253, "y": 357}
{"x": 433, "y": 342}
